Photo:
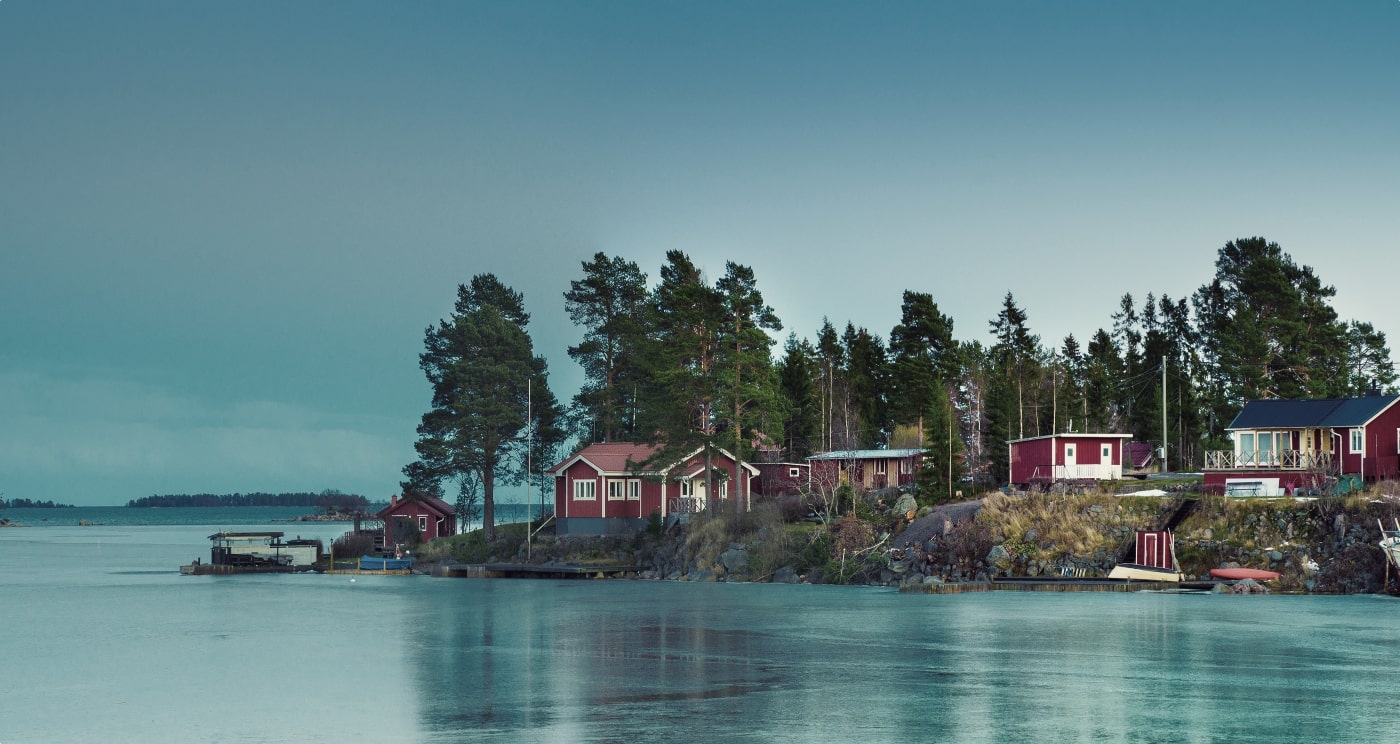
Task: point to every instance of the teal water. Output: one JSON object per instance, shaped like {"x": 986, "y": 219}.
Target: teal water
{"x": 211, "y": 516}
{"x": 104, "y": 641}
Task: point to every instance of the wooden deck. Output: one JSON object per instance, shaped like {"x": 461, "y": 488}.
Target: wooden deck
{"x": 1052, "y": 584}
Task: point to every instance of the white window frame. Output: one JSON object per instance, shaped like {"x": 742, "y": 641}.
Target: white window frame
{"x": 724, "y": 489}
{"x": 687, "y": 487}
{"x": 634, "y": 489}
{"x": 422, "y": 524}
{"x": 795, "y": 472}
{"x": 586, "y": 490}
{"x": 879, "y": 467}
{"x": 617, "y": 489}
{"x": 1358, "y": 441}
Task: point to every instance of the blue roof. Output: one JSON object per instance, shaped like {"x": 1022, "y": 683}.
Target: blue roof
{"x": 865, "y": 454}
{"x": 1311, "y": 414}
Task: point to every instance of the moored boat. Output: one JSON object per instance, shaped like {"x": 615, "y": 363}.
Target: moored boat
{"x": 1390, "y": 543}
{"x": 1154, "y": 557}
{"x": 1258, "y": 574}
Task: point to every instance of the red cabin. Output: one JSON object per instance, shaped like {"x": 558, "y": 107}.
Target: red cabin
{"x": 434, "y": 518}
{"x": 1063, "y": 457}
{"x": 604, "y": 488}
{"x": 1286, "y": 446}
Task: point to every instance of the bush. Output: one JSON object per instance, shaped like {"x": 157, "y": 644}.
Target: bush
{"x": 353, "y": 545}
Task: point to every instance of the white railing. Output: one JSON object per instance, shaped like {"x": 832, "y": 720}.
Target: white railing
{"x": 1085, "y": 472}
{"x": 1280, "y": 459}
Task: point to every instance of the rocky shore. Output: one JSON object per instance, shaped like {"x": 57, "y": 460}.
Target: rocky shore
{"x": 1318, "y": 546}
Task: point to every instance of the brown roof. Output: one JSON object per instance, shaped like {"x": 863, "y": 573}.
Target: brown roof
{"x": 436, "y": 505}
{"x": 612, "y": 457}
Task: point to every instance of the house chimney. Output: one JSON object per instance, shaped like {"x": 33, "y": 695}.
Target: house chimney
{"x": 393, "y": 499}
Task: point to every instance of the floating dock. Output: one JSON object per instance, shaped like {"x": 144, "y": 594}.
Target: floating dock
{"x": 1051, "y": 584}
{"x": 533, "y": 571}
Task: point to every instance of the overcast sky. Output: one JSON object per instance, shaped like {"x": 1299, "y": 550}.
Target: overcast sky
{"x": 225, "y": 225}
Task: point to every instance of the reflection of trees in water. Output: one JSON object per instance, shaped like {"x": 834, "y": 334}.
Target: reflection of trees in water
{"x": 528, "y": 656}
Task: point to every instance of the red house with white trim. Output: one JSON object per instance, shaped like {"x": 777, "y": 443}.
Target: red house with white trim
{"x": 1069, "y": 456}
{"x": 605, "y": 489}
{"x": 1284, "y": 446}
{"x": 434, "y": 517}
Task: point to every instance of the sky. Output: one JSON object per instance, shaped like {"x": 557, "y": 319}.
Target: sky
{"x": 225, "y": 226}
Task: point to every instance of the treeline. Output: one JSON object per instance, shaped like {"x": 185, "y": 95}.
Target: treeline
{"x": 689, "y": 363}
{"x": 328, "y": 500}
{"x": 30, "y": 504}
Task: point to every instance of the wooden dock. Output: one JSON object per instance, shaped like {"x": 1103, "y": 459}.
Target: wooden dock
{"x": 1053, "y": 584}
{"x": 533, "y": 571}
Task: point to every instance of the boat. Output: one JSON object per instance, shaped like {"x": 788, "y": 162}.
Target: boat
{"x": 1390, "y": 543}
{"x": 255, "y": 552}
{"x": 1154, "y": 559}
{"x": 1258, "y": 574}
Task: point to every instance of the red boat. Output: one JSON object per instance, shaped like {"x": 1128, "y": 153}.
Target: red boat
{"x": 1244, "y": 573}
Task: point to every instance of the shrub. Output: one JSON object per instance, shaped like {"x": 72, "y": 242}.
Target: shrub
{"x": 353, "y": 545}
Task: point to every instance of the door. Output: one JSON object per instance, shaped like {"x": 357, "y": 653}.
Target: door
{"x": 1071, "y": 464}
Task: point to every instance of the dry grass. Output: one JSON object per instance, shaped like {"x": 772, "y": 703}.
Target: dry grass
{"x": 1065, "y": 526}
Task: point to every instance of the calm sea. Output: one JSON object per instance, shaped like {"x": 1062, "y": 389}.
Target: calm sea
{"x": 103, "y": 640}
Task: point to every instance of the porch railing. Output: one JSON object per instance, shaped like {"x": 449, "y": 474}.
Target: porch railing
{"x": 1274, "y": 459}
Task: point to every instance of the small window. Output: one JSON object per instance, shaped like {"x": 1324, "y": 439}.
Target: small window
{"x": 423, "y": 524}
{"x": 906, "y": 466}
{"x": 724, "y": 489}
{"x": 1069, "y": 450}
{"x": 1106, "y": 452}
{"x": 687, "y": 487}
{"x": 1358, "y": 441}
{"x": 794, "y": 472}
{"x": 879, "y": 467}
{"x": 585, "y": 490}
{"x": 634, "y": 490}
{"x": 617, "y": 490}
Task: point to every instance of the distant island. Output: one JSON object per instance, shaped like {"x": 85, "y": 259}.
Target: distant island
{"x": 28, "y": 504}
{"x": 331, "y": 501}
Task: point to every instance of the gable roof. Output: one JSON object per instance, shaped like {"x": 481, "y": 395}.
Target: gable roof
{"x": 432, "y": 504}
{"x": 612, "y": 457}
{"x": 871, "y": 454}
{"x": 1307, "y": 414}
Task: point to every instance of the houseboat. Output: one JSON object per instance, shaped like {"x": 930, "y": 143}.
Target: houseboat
{"x": 255, "y": 552}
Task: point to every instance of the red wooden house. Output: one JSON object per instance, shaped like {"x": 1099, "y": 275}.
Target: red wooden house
{"x": 604, "y": 489}
{"x": 434, "y": 518}
{"x": 1283, "y": 446}
{"x": 867, "y": 469}
{"x": 780, "y": 478}
{"x": 1069, "y": 456}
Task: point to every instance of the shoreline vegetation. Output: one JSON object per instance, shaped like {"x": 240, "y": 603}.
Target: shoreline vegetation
{"x": 331, "y": 501}
{"x": 1319, "y": 546}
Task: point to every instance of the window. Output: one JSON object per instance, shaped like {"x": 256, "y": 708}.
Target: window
{"x": 1069, "y": 451}
{"x": 1358, "y": 441}
{"x": 724, "y": 489}
{"x": 423, "y": 525}
{"x": 1106, "y": 453}
{"x": 879, "y": 467}
{"x": 585, "y": 490}
{"x": 617, "y": 490}
{"x": 794, "y": 472}
{"x": 634, "y": 490}
{"x": 687, "y": 487}
{"x": 906, "y": 466}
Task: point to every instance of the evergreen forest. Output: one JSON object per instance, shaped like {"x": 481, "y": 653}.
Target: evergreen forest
{"x": 686, "y": 362}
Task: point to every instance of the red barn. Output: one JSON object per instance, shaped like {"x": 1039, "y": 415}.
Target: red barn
{"x": 1059, "y": 457}
{"x": 603, "y": 488}
{"x": 1283, "y": 446}
{"x": 434, "y": 517}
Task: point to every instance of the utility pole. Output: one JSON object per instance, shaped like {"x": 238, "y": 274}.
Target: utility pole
{"x": 1164, "y": 414}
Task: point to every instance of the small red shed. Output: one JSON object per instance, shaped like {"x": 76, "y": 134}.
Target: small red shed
{"x": 1070, "y": 456}
{"x": 434, "y": 517}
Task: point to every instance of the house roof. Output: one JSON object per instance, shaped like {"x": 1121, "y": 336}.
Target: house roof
{"x": 1075, "y": 435}
{"x": 435, "y": 505}
{"x": 871, "y": 454}
{"x": 609, "y": 457}
{"x": 612, "y": 457}
{"x": 1320, "y": 413}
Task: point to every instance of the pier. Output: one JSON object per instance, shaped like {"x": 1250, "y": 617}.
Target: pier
{"x": 1051, "y": 584}
{"x": 533, "y": 571}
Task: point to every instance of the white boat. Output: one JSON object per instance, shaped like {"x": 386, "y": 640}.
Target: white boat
{"x": 1154, "y": 559}
{"x": 1390, "y": 543}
